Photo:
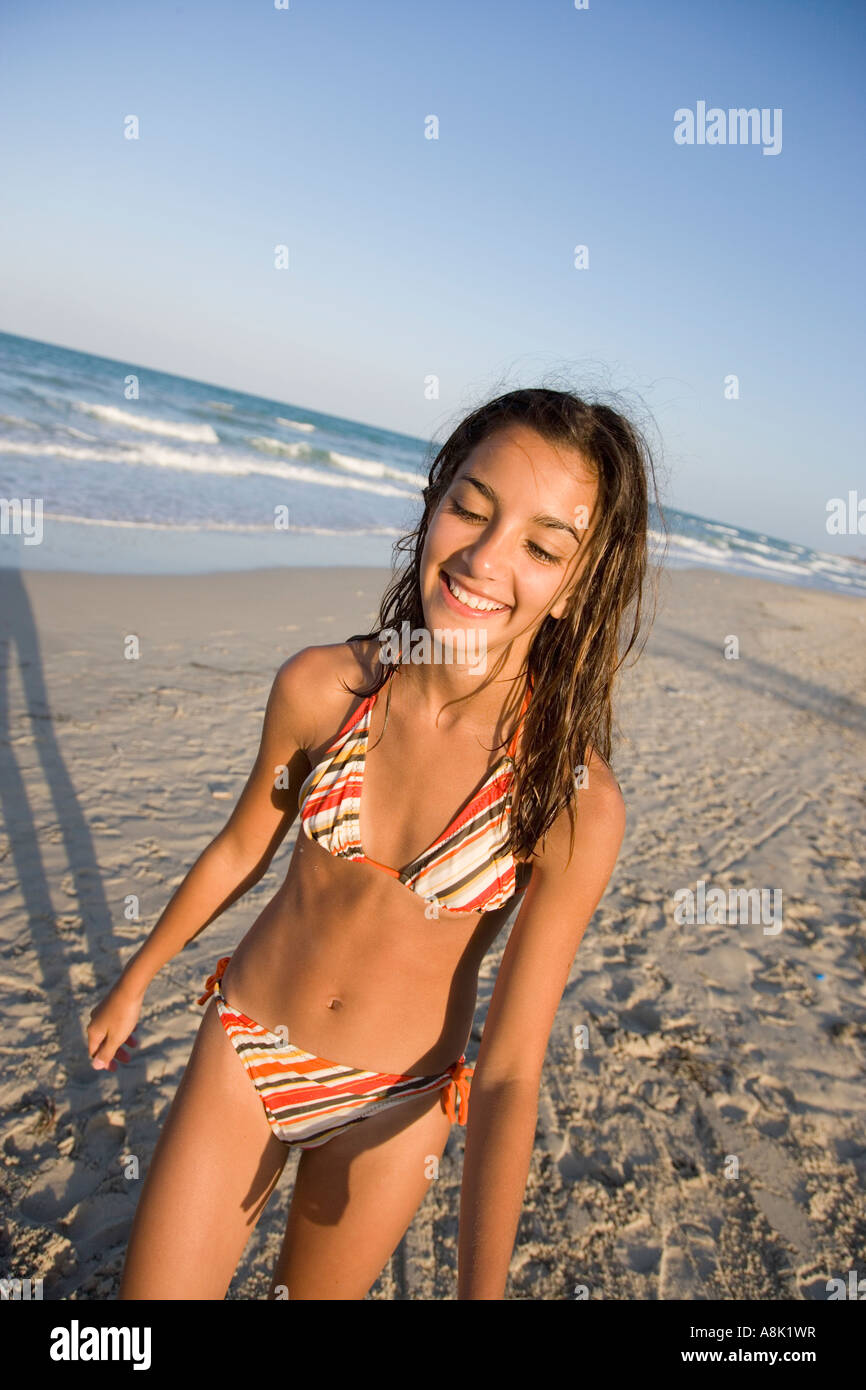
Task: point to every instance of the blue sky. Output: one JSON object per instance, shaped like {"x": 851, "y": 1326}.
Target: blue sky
{"x": 454, "y": 257}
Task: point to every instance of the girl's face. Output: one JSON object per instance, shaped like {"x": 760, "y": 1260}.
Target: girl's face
{"x": 509, "y": 534}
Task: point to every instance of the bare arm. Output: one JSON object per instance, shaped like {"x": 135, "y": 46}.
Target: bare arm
{"x": 239, "y": 855}
{"x": 560, "y": 901}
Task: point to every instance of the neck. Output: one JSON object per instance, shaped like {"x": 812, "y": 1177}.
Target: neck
{"x": 482, "y": 700}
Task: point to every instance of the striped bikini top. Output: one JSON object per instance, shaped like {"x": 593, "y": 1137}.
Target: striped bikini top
{"x": 468, "y": 868}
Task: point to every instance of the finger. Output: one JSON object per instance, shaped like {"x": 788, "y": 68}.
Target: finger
{"x": 102, "y": 1056}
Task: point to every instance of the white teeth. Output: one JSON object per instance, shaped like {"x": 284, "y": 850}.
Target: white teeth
{"x": 471, "y": 600}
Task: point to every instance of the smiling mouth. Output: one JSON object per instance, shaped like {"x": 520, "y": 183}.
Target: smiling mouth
{"x": 474, "y": 603}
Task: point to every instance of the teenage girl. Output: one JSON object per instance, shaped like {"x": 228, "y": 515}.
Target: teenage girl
{"x": 339, "y": 1024}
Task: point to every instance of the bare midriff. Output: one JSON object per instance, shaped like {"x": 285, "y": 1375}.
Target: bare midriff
{"x": 343, "y": 956}
{"x": 346, "y": 960}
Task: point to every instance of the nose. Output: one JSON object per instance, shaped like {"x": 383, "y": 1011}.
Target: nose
{"x": 485, "y": 556}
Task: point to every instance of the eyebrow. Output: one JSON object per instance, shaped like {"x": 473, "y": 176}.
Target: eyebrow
{"x": 540, "y": 519}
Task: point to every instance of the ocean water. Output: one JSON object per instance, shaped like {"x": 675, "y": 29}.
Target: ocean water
{"x": 189, "y": 477}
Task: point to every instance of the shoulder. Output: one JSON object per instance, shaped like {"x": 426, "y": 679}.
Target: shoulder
{"x": 599, "y": 816}
{"x": 310, "y": 688}
{"x": 600, "y": 797}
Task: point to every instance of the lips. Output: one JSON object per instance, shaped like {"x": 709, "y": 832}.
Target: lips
{"x": 463, "y": 608}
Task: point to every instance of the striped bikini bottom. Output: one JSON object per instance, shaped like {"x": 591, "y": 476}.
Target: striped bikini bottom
{"x": 308, "y": 1099}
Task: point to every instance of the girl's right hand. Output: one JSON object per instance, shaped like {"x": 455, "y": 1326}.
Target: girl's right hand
{"x": 111, "y": 1025}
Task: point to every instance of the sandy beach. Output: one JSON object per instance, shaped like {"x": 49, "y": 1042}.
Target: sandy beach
{"x": 707, "y": 1140}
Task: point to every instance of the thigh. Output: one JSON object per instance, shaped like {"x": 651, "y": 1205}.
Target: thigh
{"x": 213, "y": 1169}
{"x": 355, "y": 1197}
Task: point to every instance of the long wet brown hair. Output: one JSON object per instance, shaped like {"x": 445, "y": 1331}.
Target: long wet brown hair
{"x": 573, "y": 660}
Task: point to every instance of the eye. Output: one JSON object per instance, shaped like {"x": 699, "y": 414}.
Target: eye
{"x": 543, "y": 556}
{"x": 467, "y": 516}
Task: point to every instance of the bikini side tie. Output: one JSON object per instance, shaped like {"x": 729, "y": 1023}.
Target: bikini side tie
{"x": 455, "y": 1096}
{"x": 213, "y": 980}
